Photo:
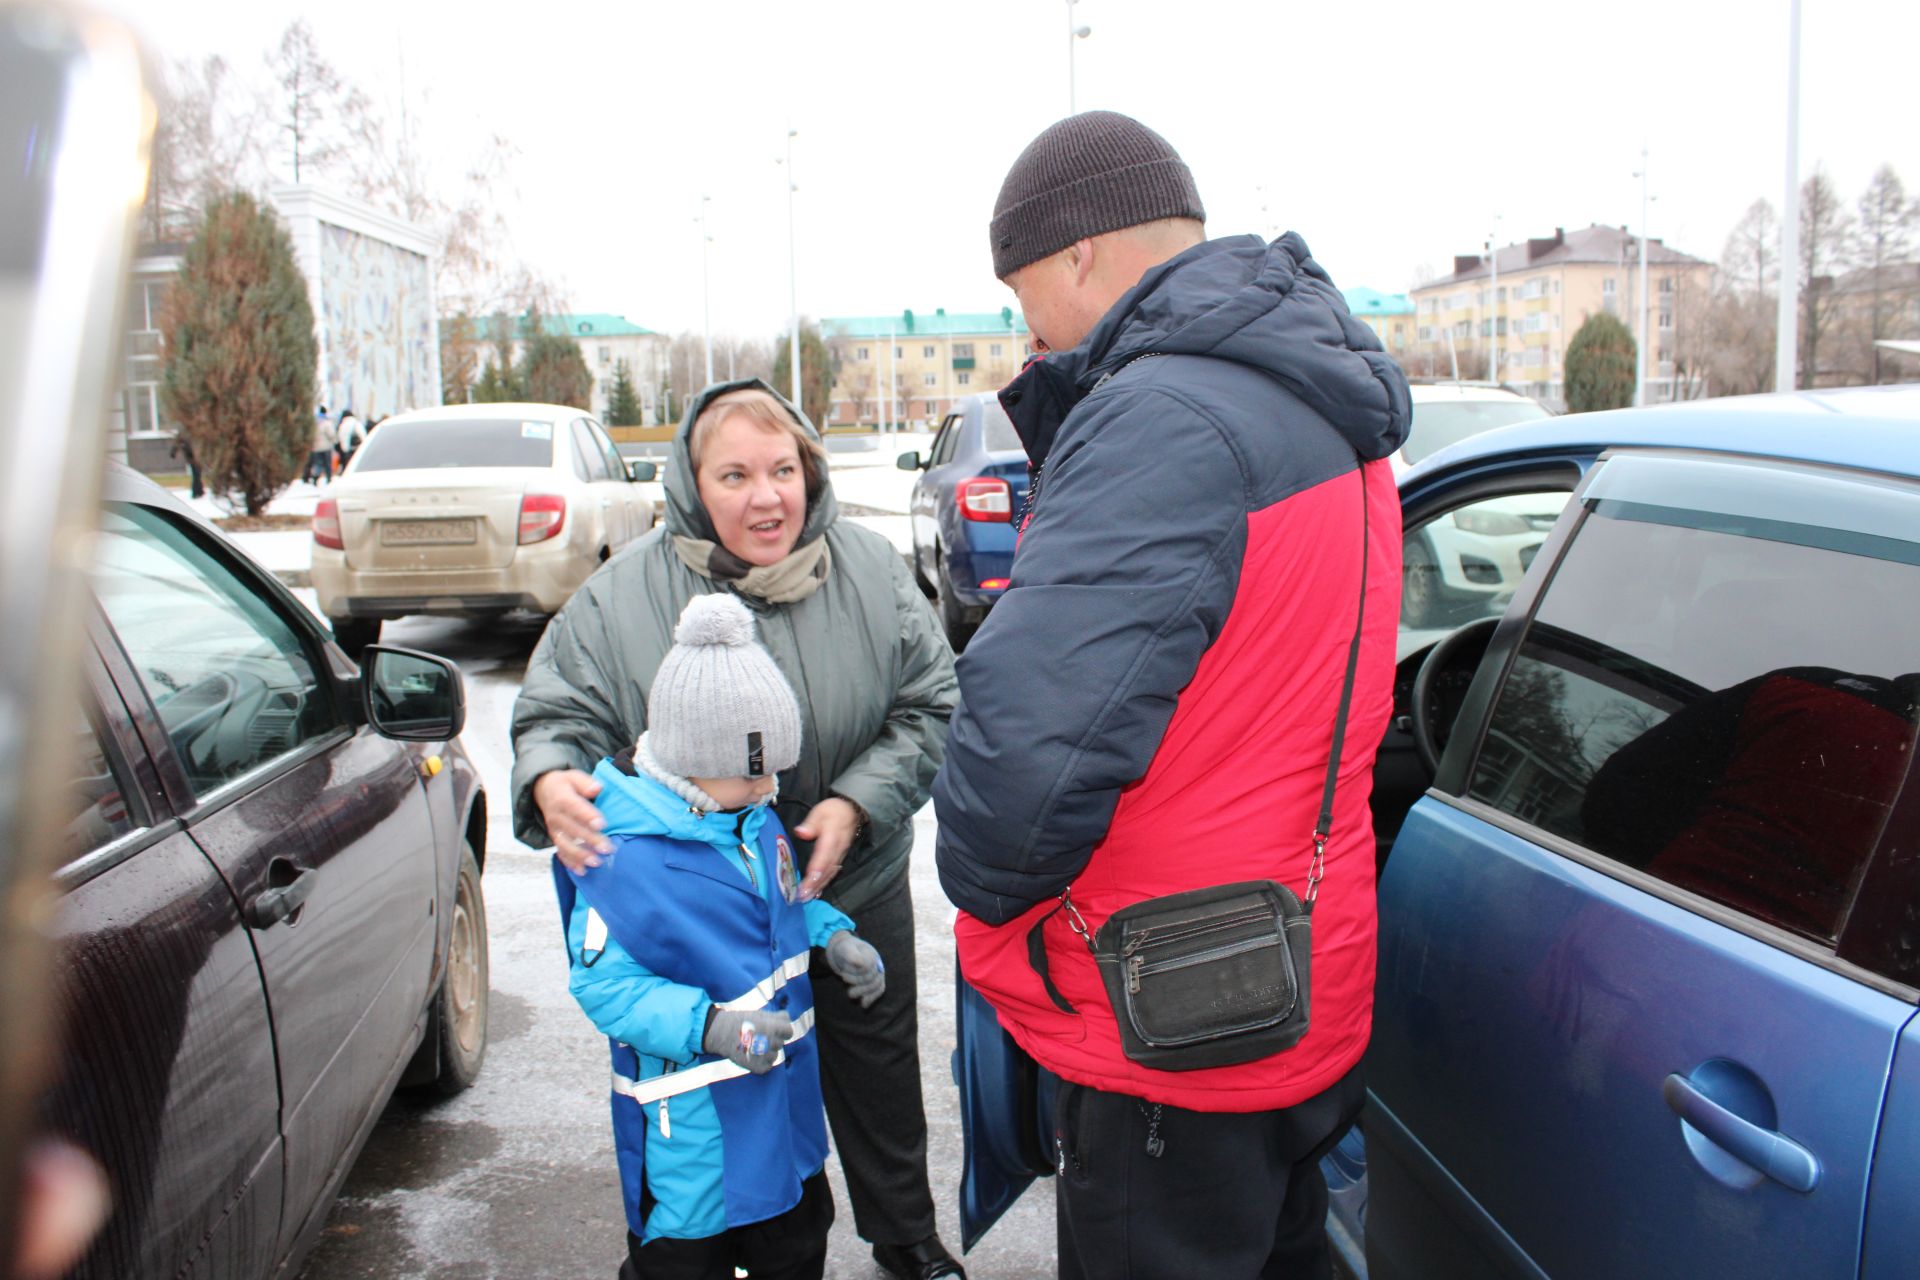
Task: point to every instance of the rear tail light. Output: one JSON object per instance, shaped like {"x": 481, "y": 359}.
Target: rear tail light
{"x": 542, "y": 516}
{"x": 985, "y": 498}
{"x": 993, "y": 584}
{"x": 326, "y": 525}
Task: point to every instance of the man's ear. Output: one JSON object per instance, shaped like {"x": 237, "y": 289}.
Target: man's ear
{"x": 1080, "y": 260}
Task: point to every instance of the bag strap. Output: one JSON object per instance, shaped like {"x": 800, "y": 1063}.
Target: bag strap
{"x": 1324, "y": 827}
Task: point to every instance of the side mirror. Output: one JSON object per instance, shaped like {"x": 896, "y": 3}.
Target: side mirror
{"x": 909, "y": 461}
{"x": 412, "y": 696}
{"x": 641, "y": 469}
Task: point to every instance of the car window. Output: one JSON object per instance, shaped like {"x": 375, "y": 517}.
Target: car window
{"x": 1439, "y": 423}
{"x": 95, "y": 808}
{"x": 232, "y": 680}
{"x": 481, "y": 442}
{"x": 1722, "y": 699}
{"x": 945, "y": 442}
{"x": 999, "y": 428}
{"x": 588, "y": 460}
{"x": 617, "y": 466}
{"x": 1466, "y": 563}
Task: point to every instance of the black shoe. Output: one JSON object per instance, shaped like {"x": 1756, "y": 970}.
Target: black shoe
{"x": 923, "y": 1261}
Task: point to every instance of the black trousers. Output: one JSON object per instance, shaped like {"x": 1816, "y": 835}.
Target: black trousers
{"x": 870, "y": 1074}
{"x": 792, "y": 1246}
{"x": 1229, "y": 1195}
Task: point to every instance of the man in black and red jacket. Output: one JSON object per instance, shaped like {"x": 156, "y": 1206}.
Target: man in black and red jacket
{"x": 1150, "y": 707}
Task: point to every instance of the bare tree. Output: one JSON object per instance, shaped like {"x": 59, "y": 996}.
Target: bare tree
{"x": 315, "y": 107}
{"x": 1886, "y": 232}
{"x": 1751, "y": 259}
{"x": 1826, "y": 244}
{"x": 206, "y": 140}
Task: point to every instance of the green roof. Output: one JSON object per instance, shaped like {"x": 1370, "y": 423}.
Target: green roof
{"x": 1363, "y": 301}
{"x": 938, "y": 323}
{"x": 593, "y": 324}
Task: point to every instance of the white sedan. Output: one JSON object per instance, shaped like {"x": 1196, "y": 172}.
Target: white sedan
{"x": 472, "y": 511}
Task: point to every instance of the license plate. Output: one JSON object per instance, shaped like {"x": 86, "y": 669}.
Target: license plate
{"x": 415, "y": 533}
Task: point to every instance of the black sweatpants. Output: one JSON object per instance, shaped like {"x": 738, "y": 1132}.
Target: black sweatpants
{"x": 1229, "y": 1196}
{"x": 792, "y": 1246}
{"x": 870, "y": 1074}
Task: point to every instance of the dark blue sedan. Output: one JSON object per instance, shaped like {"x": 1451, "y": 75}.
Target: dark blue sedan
{"x": 1649, "y": 959}
{"x": 966, "y": 510}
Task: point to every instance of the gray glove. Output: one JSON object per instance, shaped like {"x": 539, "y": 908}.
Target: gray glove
{"x": 750, "y": 1038}
{"x": 858, "y": 965}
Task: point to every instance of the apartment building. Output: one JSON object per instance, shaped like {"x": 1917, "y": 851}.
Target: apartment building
{"x": 1516, "y": 329}
{"x": 911, "y": 367}
{"x": 604, "y": 340}
{"x": 1389, "y": 315}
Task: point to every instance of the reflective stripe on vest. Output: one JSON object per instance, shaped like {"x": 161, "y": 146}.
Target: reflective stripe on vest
{"x": 792, "y": 968}
{"x": 707, "y": 1073}
{"x": 596, "y": 940}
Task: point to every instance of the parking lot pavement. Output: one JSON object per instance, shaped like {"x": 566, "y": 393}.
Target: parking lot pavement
{"x": 515, "y": 1179}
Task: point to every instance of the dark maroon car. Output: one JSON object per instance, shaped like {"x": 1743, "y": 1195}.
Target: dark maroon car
{"x": 271, "y": 912}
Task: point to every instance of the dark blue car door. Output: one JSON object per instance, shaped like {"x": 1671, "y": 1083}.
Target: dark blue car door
{"x": 1622, "y": 1027}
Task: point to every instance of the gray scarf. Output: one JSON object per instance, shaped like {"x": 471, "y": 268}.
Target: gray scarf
{"x": 796, "y": 577}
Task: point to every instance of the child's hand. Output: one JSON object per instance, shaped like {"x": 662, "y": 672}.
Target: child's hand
{"x": 859, "y": 966}
{"x": 749, "y": 1038}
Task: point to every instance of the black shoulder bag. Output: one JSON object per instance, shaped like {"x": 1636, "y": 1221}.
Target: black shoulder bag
{"x": 1216, "y": 976}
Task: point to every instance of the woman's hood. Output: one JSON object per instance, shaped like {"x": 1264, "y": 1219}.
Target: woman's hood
{"x": 687, "y": 516}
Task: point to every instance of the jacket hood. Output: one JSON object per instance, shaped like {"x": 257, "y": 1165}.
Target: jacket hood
{"x": 1270, "y": 306}
{"x": 641, "y": 806}
{"x": 687, "y": 516}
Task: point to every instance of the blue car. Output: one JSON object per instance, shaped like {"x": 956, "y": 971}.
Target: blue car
{"x": 966, "y": 512}
{"x": 1650, "y": 893}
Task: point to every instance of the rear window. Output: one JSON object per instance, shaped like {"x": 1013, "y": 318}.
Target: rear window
{"x": 999, "y": 429}
{"x": 486, "y": 442}
{"x": 1438, "y": 424}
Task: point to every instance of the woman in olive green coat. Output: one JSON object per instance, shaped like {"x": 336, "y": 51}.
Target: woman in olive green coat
{"x": 750, "y": 510}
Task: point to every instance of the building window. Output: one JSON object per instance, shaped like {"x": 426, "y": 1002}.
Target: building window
{"x": 1609, "y": 286}
{"x": 926, "y": 352}
{"x": 994, "y": 351}
{"x": 860, "y": 353}
{"x": 963, "y": 379}
{"x": 606, "y": 355}
{"x": 1666, "y": 284}
{"x": 898, "y": 352}
{"x": 963, "y": 351}
{"x": 1426, "y": 333}
{"x": 1666, "y": 317}
{"x": 929, "y": 379}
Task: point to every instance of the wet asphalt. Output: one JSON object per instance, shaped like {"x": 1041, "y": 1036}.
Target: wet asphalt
{"x": 514, "y": 1179}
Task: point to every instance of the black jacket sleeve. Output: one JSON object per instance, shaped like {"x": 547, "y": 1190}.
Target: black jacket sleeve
{"x": 1123, "y": 578}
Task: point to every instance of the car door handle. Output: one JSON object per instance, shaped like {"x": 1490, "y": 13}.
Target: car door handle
{"x": 270, "y": 906}
{"x": 1776, "y": 1156}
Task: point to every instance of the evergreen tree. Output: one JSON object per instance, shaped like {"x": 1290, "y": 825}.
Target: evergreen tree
{"x": 1600, "y": 367}
{"x": 552, "y": 370}
{"x": 500, "y": 380}
{"x": 816, "y": 372}
{"x": 240, "y": 352}
{"x": 623, "y": 402}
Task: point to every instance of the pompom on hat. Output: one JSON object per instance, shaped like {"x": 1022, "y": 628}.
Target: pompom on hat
{"x": 719, "y": 707}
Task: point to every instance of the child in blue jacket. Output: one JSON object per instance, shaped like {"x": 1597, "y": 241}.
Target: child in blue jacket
{"x": 689, "y": 948}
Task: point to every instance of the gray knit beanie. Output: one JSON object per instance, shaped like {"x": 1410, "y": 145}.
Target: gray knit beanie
{"x": 1087, "y": 175}
{"x": 719, "y": 707}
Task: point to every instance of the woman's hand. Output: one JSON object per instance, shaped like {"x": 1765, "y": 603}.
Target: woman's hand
{"x": 831, "y": 825}
{"x": 565, "y": 800}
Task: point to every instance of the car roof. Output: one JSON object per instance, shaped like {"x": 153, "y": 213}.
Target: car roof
{"x": 1428, "y": 392}
{"x": 511, "y": 411}
{"x": 1871, "y": 428}
{"x": 121, "y": 483}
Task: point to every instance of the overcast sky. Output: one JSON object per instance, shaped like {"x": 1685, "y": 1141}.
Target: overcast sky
{"x": 1390, "y": 134}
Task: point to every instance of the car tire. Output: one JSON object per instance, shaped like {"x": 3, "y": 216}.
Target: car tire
{"x": 1421, "y": 594}
{"x": 457, "y": 1021}
{"x": 953, "y": 617}
{"x": 355, "y": 634}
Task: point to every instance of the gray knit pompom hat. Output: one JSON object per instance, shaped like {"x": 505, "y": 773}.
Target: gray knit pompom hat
{"x": 719, "y": 707}
{"x": 1087, "y": 175}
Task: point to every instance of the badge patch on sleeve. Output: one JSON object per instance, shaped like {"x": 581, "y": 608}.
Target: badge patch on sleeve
{"x": 784, "y": 869}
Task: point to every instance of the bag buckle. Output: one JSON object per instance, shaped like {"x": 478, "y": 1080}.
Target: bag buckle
{"x": 1074, "y": 920}
{"x": 1317, "y": 872}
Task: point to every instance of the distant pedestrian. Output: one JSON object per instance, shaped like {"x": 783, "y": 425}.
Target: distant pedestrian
{"x": 181, "y": 449}
{"x": 689, "y": 946}
{"x": 320, "y": 459}
{"x": 351, "y": 435}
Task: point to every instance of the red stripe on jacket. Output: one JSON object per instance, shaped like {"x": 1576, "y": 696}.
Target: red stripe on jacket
{"x": 1232, "y": 794}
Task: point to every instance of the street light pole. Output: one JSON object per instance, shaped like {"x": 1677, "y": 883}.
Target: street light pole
{"x": 1073, "y": 33}
{"x": 793, "y": 279}
{"x": 1786, "y": 352}
{"x": 706, "y": 288}
{"x": 1493, "y": 303}
{"x": 1646, "y": 333}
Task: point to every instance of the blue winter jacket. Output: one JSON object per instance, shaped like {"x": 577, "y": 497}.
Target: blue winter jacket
{"x": 679, "y": 919}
